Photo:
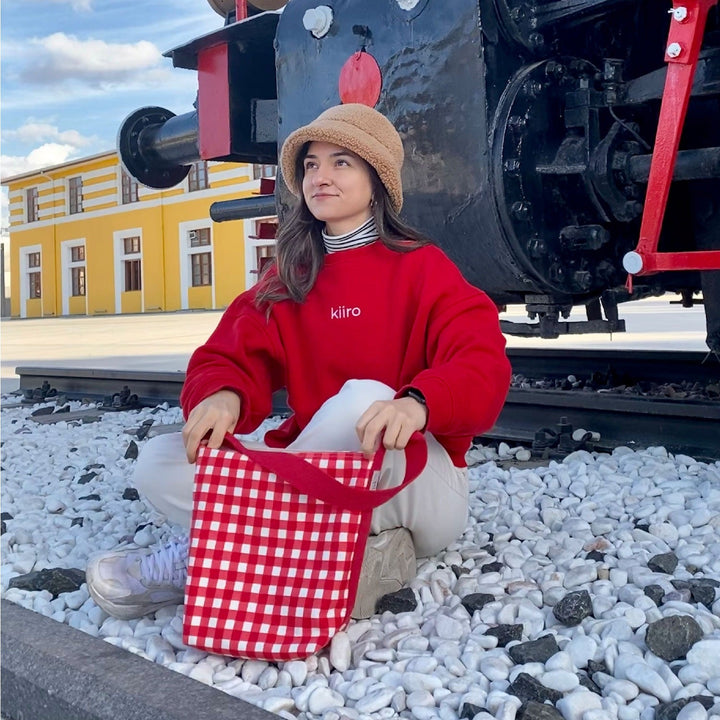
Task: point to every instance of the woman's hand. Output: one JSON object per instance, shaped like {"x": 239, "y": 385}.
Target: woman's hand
{"x": 399, "y": 419}
{"x": 217, "y": 414}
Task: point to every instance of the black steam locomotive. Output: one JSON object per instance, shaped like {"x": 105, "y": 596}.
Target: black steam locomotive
{"x": 562, "y": 152}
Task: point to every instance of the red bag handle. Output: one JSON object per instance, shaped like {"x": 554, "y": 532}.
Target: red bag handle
{"x": 313, "y": 481}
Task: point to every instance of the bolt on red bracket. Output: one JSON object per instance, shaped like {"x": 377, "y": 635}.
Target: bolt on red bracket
{"x": 687, "y": 26}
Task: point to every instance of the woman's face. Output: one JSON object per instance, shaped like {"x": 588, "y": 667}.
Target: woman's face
{"x": 337, "y": 187}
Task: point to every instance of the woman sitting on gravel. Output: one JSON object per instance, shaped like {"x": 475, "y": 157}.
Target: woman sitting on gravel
{"x": 375, "y": 334}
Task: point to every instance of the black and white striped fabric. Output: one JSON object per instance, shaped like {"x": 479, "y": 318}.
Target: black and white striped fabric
{"x": 364, "y": 235}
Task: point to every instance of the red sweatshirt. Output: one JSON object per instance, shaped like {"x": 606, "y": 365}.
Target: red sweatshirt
{"x": 405, "y": 319}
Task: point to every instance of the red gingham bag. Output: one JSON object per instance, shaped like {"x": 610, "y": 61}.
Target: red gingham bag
{"x": 276, "y": 546}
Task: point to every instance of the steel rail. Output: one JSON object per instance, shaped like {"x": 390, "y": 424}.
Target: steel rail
{"x": 681, "y": 425}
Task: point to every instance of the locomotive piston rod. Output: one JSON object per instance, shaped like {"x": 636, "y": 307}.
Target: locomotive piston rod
{"x": 703, "y": 164}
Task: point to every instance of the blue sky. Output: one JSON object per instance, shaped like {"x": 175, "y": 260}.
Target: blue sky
{"x": 73, "y": 69}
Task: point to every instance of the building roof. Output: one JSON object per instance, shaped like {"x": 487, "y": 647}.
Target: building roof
{"x": 51, "y": 168}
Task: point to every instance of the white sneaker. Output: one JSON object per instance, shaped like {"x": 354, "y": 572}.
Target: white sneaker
{"x": 134, "y": 582}
{"x": 388, "y": 565}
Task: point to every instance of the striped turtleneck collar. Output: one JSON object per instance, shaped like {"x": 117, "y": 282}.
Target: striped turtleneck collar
{"x": 364, "y": 235}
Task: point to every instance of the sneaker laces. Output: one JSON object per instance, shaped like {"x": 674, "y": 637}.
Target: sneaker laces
{"x": 167, "y": 564}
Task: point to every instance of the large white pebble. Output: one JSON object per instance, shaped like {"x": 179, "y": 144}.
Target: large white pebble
{"x": 223, "y": 675}
{"x": 580, "y": 575}
{"x": 268, "y": 679}
{"x": 448, "y": 628}
{"x": 493, "y": 668}
{"x": 54, "y": 504}
{"x": 665, "y": 531}
{"x": 298, "y": 671}
{"x": 561, "y": 680}
{"x": 635, "y": 617}
{"x": 561, "y": 660}
{"x": 581, "y": 649}
{"x": 599, "y": 714}
{"x": 174, "y": 638}
{"x": 340, "y": 651}
{"x": 420, "y": 698}
{"x": 574, "y": 705}
{"x": 692, "y": 673}
{"x": 447, "y": 713}
{"x": 713, "y": 685}
{"x": 413, "y": 681}
{"x": 277, "y": 704}
{"x": 323, "y": 698}
{"x": 624, "y": 688}
{"x": 144, "y": 537}
{"x": 648, "y": 681}
{"x": 252, "y": 670}
{"x": 357, "y": 629}
{"x": 157, "y": 644}
{"x": 414, "y": 644}
{"x": 626, "y": 712}
{"x": 425, "y": 664}
{"x": 75, "y": 600}
{"x": 692, "y": 711}
{"x": 202, "y": 672}
{"x": 375, "y": 701}
{"x": 705, "y": 653}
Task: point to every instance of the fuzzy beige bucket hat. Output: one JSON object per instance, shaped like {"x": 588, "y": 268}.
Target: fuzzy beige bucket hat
{"x": 358, "y": 128}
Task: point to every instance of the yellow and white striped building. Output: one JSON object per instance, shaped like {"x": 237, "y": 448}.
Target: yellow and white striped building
{"x": 86, "y": 239}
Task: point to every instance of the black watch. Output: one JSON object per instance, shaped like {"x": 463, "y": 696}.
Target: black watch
{"x": 416, "y": 395}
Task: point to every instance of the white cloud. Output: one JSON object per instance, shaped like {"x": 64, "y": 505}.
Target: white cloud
{"x": 43, "y": 156}
{"x": 78, "y": 5}
{"x": 60, "y": 57}
{"x": 33, "y": 132}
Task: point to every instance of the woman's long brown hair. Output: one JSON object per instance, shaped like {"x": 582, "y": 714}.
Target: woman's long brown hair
{"x": 301, "y": 251}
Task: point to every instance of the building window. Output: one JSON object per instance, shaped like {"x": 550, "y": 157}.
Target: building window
{"x": 201, "y": 269}
{"x": 199, "y": 237}
{"x": 200, "y": 262}
{"x": 264, "y": 171}
{"x": 78, "y": 281}
{"x": 131, "y": 245}
{"x": 129, "y": 189}
{"x": 132, "y": 275}
{"x": 198, "y": 176}
{"x": 34, "y": 275}
{"x": 77, "y": 270}
{"x": 32, "y": 204}
{"x": 35, "y": 286}
{"x": 75, "y": 195}
{"x": 132, "y": 263}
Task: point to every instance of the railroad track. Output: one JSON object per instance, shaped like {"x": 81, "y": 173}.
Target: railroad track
{"x": 690, "y": 425}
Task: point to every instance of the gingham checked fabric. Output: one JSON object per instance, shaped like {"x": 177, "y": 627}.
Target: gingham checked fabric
{"x": 273, "y": 571}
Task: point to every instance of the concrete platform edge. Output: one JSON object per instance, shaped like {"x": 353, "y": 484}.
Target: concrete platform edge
{"x": 51, "y": 671}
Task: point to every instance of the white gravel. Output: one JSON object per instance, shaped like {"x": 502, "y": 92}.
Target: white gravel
{"x": 537, "y": 521}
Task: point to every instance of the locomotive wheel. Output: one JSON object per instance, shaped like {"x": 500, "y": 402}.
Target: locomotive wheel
{"x": 544, "y": 196}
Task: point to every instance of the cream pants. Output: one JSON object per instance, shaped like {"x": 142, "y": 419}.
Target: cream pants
{"x": 434, "y": 507}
